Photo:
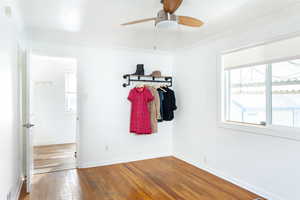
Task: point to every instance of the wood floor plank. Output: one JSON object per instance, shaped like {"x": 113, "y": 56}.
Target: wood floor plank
{"x": 165, "y": 178}
{"x": 215, "y": 181}
{"x": 176, "y": 179}
{"x": 50, "y": 158}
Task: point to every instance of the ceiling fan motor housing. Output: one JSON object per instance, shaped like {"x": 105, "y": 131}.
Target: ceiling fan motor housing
{"x": 165, "y": 19}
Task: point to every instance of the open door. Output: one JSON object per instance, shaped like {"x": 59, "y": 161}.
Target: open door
{"x": 27, "y": 117}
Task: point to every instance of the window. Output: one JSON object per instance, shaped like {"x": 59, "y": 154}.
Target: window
{"x": 286, "y": 93}
{"x": 262, "y": 84}
{"x": 70, "y": 92}
{"x": 246, "y": 94}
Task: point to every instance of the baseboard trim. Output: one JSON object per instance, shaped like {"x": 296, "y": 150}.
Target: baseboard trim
{"x": 16, "y": 190}
{"x": 118, "y": 161}
{"x": 236, "y": 181}
{"x": 20, "y": 185}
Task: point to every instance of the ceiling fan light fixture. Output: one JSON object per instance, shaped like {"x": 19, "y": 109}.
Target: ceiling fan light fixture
{"x": 167, "y": 24}
{"x": 165, "y": 20}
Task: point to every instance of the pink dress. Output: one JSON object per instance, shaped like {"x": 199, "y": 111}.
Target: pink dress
{"x": 140, "y": 116}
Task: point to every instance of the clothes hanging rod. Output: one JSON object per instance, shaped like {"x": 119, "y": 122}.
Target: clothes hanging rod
{"x": 167, "y": 79}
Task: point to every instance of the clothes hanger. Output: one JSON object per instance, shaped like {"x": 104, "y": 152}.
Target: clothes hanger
{"x": 139, "y": 86}
{"x": 162, "y": 88}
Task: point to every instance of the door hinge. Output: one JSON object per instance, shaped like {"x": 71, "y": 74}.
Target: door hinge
{"x": 28, "y": 125}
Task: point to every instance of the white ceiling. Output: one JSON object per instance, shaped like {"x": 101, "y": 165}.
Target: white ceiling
{"x": 91, "y": 22}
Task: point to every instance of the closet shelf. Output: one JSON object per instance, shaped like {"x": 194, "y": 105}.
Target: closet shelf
{"x": 147, "y": 78}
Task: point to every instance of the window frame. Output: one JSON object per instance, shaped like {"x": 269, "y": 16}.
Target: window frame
{"x": 292, "y": 133}
{"x": 67, "y": 92}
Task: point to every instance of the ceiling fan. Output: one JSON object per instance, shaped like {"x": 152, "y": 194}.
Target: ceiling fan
{"x": 167, "y": 18}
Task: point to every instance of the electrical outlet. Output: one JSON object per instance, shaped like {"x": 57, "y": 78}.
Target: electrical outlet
{"x": 106, "y": 148}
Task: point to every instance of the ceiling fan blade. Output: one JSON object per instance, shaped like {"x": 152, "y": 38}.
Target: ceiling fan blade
{"x": 189, "y": 21}
{"x": 170, "y": 6}
{"x": 139, "y": 21}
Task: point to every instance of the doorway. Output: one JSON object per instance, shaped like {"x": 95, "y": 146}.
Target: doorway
{"x": 53, "y": 112}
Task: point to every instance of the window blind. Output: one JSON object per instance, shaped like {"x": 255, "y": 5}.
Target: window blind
{"x": 263, "y": 54}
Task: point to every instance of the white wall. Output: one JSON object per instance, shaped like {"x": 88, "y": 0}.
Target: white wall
{"x": 53, "y": 124}
{"x": 10, "y": 160}
{"x": 267, "y": 165}
{"x": 103, "y": 105}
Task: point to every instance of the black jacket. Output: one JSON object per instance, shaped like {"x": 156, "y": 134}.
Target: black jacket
{"x": 169, "y": 104}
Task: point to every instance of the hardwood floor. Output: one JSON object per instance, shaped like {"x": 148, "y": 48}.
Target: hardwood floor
{"x": 155, "y": 179}
{"x": 51, "y": 158}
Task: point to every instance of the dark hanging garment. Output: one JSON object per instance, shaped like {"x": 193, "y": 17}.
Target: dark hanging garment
{"x": 169, "y": 104}
{"x": 161, "y": 98}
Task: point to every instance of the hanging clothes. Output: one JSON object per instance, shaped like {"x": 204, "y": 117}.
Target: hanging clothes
{"x": 154, "y": 108}
{"x": 140, "y": 116}
{"x": 161, "y": 99}
{"x": 169, "y": 104}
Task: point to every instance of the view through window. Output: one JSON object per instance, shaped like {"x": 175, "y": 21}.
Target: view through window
{"x": 286, "y": 93}
{"x": 247, "y": 89}
{"x": 71, "y": 92}
{"x": 247, "y": 97}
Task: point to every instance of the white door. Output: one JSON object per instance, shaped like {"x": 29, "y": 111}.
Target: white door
{"x": 27, "y": 119}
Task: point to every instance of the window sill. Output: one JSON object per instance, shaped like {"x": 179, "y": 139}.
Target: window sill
{"x": 273, "y": 131}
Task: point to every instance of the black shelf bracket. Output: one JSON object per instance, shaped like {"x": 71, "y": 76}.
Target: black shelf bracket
{"x": 147, "y": 79}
